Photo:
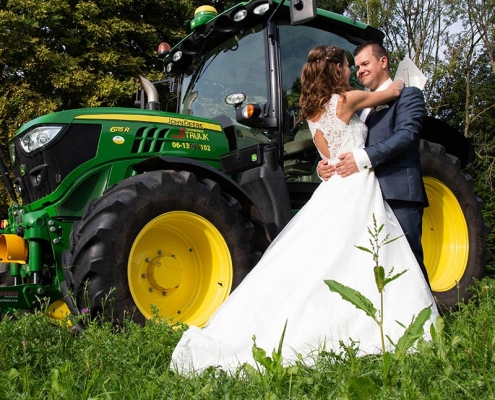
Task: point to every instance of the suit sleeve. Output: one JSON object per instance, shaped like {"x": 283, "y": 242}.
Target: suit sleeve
{"x": 409, "y": 115}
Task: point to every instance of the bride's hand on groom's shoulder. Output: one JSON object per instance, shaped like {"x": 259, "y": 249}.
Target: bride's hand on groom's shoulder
{"x": 398, "y": 84}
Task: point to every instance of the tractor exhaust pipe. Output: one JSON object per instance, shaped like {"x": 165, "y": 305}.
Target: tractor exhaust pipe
{"x": 151, "y": 93}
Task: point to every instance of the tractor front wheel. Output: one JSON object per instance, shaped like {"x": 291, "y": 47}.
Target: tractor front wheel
{"x": 162, "y": 243}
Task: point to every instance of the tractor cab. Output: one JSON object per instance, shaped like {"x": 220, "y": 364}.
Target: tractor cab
{"x": 258, "y": 49}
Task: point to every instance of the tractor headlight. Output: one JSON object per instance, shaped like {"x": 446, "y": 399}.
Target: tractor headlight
{"x": 39, "y": 137}
{"x": 261, "y": 9}
{"x": 177, "y": 56}
{"x": 240, "y": 15}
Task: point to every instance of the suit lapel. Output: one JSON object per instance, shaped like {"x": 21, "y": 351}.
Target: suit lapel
{"x": 372, "y": 111}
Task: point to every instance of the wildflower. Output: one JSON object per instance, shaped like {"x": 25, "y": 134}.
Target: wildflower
{"x": 85, "y": 311}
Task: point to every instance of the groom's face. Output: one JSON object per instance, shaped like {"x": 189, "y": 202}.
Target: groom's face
{"x": 371, "y": 71}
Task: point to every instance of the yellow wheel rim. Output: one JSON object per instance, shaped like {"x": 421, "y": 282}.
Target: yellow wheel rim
{"x": 445, "y": 237}
{"x": 180, "y": 265}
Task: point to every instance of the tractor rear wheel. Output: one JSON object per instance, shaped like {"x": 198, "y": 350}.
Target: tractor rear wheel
{"x": 169, "y": 243}
{"x": 454, "y": 234}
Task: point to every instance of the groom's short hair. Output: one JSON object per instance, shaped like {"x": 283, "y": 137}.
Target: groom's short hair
{"x": 377, "y": 50}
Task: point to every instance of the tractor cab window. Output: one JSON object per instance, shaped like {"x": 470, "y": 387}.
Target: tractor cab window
{"x": 237, "y": 65}
{"x": 300, "y": 155}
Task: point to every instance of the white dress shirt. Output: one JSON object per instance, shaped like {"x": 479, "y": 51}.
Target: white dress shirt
{"x": 360, "y": 156}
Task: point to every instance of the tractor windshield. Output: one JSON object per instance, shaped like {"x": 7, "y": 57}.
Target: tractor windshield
{"x": 236, "y": 65}
{"x": 300, "y": 155}
{"x": 295, "y": 44}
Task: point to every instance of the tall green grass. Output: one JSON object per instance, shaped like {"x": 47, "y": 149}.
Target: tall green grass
{"x": 41, "y": 359}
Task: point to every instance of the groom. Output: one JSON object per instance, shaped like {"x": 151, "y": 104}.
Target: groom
{"x": 392, "y": 146}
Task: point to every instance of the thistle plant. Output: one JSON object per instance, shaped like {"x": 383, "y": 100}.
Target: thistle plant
{"x": 412, "y": 333}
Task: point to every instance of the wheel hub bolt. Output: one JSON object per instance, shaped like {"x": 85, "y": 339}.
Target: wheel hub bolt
{"x": 147, "y": 259}
{"x": 160, "y": 252}
{"x": 150, "y": 289}
{"x": 143, "y": 275}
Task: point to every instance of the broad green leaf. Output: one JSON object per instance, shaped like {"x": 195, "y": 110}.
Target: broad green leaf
{"x": 379, "y": 278}
{"x": 13, "y": 374}
{"x": 353, "y": 297}
{"x": 387, "y": 368}
{"x": 362, "y": 387}
{"x": 292, "y": 370}
{"x": 387, "y": 362}
{"x": 276, "y": 357}
{"x": 413, "y": 332}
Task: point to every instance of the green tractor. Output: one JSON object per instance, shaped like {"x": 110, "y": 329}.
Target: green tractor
{"x": 121, "y": 211}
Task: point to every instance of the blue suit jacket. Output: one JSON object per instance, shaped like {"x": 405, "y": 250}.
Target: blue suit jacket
{"x": 393, "y": 147}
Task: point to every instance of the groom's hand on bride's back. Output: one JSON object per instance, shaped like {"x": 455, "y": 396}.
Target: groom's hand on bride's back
{"x": 325, "y": 170}
{"x": 347, "y": 165}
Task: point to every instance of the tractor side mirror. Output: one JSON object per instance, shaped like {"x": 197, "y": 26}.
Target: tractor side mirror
{"x": 302, "y": 11}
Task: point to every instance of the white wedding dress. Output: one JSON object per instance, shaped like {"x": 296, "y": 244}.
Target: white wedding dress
{"x": 288, "y": 285}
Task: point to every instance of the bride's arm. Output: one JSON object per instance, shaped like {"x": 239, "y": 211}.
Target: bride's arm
{"x": 359, "y": 99}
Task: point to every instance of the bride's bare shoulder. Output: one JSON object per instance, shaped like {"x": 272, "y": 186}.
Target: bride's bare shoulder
{"x": 316, "y": 117}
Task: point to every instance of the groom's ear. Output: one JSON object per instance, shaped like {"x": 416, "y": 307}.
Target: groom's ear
{"x": 384, "y": 62}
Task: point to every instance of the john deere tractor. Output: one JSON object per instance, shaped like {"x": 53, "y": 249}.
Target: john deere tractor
{"x": 165, "y": 208}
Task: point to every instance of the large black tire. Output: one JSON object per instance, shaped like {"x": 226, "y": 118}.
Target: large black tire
{"x": 164, "y": 240}
{"x": 454, "y": 234}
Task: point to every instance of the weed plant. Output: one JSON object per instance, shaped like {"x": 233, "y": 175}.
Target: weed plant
{"x": 412, "y": 333}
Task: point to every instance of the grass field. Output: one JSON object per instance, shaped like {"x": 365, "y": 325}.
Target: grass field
{"x": 40, "y": 359}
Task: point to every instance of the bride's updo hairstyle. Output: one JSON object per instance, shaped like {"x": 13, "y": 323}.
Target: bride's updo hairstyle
{"x": 321, "y": 77}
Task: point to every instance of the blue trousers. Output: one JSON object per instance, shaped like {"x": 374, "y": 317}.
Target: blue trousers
{"x": 410, "y": 217}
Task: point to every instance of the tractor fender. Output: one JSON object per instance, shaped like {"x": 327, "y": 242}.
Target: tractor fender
{"x": 263, "y": 204}
{"x": 454, "y": 142}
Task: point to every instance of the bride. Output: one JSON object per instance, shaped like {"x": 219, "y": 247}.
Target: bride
{"x": 287, "y": 286}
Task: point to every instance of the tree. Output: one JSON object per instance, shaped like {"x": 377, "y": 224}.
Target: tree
{"x": 467, "y": 100}
{"x": 59, "y": 54}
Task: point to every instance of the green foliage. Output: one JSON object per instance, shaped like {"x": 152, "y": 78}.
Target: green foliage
{"x": 272, "y": 369}
{"x": 81, "y": 366}
{"x": 42, "y": 359}
{"x": 60, "y": 55}
{"x": 57, "y": 54}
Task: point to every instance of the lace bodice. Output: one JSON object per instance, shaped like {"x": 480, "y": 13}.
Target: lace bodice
{"x": 341, "y": 137}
